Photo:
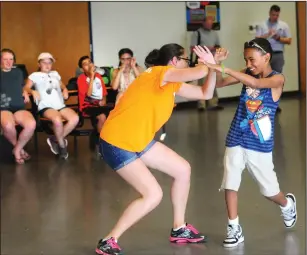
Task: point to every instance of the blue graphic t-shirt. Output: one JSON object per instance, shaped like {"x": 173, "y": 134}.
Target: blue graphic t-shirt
{"x": 253, "y": 124}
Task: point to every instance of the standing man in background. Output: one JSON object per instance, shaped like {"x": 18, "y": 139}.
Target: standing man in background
{"x": 277, "y": 32}
{"x": 208, "y": 37}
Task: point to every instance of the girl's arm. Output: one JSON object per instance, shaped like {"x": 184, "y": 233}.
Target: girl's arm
{"x": 28, "y": 86}
{"x": 227, "y": 81}
{"x": 137, "y": 70}
{"x": 64, "y": 90}
{"x": 275, "y": 81}
{"x": 186, "y": 74}
{"x": 115, "y": 79}
{"x": 196, "y": 92}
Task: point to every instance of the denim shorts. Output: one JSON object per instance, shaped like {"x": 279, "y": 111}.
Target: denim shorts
{"x": 117, "y": 158}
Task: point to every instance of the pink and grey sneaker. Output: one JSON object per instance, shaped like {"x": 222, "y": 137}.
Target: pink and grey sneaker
{"x": 187, "y": 234}
{"x": 108, "y": 247}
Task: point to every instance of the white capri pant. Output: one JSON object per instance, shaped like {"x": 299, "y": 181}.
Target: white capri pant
{"x": 259, "y": 164}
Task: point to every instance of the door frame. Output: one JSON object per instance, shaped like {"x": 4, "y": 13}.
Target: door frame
{"x": 91, "y": 31}
{"x": 299, "y": 47}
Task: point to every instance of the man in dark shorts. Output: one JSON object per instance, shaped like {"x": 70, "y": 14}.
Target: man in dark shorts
{"x": 92, "y": 97}
{"x": 12, "y": 107}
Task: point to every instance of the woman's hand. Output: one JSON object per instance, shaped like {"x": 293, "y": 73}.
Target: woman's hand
{"x": 133, "y": 62}
{"x": 35, "y": 95}
{"x": 220, "y": 55}
{"x": 214, "y": 67}
{"x": 102, "y": 102}
{"x": 26, "y": 97}
{"x": 122, "y": 68}
{"x": 65, "y": 93}
{"x": 92, "y": 71}
{"x": 204, "y": 54}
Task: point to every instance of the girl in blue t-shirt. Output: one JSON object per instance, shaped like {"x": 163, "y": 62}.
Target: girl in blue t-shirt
{"x": 250, "y": 139}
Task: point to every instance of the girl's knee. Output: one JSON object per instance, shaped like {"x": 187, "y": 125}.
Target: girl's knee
{"x": 8, "y": 126}
{"x": 31, "y": 124}
{"x": 184, "y": 172}
{"x": 57, "y": 121}
{"x": 154, "y": 196}
{"x": 74, "y": 119}
{"x": 102, "y": 118}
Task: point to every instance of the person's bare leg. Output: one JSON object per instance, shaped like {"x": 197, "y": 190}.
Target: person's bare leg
{"x": 231, "y": 199}
{"x": 26, "y": 120}
{"x": 234, "y": 165}
{"x": 57, "y": 124}
{"x": 164, "y": 159}
{"x": 118, "y": 97}
{"x": 8, "y": 126}
{"x": 72, "y": 120}
{"x": 279, "y": 199}
{"x": 141, "y": 179}
{"x": 101, "y": 120}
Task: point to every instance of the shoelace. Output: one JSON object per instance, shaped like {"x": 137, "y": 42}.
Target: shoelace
{"x": 288, "y": 214}
{"x": 232, "y": 231}
{"x": 193, "y": 229}
{"x": 113, "y": 244}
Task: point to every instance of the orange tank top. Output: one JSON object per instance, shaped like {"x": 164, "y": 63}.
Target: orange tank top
{"x": 142, "y": 110}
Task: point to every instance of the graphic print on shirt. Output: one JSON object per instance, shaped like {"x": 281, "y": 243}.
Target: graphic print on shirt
{"x": 96, "y": 92}
{"x": 257, "y": 115}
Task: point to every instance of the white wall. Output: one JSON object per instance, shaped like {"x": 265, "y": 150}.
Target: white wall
{"x": 143, "y": 26}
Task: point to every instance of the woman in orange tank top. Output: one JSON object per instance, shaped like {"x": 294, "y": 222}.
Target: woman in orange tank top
{"x": 127, "y": 139}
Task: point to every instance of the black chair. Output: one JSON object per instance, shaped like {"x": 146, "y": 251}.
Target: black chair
{"x": 23, "y": 69}
{"x": 72, "y": 86}
{"x": 44, "y": 124}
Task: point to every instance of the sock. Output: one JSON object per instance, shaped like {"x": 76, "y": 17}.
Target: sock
{"x": 288, "y": 205}
{"x": 234, "y": 221}
{"x": 176, "y": 229}
{"x": 53, "y": 138}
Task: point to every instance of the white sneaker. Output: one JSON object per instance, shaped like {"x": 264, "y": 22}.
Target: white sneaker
{"x": 234, "y": 236}
{"x": 290, "y": 215}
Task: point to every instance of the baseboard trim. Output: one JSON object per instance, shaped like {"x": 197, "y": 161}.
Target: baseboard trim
{"x": 193, "y": 104}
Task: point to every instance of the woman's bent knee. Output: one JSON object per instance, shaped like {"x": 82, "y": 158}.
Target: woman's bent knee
{"x": 184, "y": 172}
{"x": 102, "y": 118}
{"x": 57, "y": 122}
{"x": 8, "y": 126}
{"x": 154, "y": 196}
{"x": 30, "y": 125}
{"x": 74, "y": 119}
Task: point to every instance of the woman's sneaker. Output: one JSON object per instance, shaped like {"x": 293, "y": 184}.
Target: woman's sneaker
{"x": 187, "y": 234}
{"x": 63, "y": 152}
{"x": 53, "y": 144}
{"x": 108, "y": 247}
{"x": 234, "y": 236}
{"x": 290, "y": 215}
{"x": 54, "y": 147}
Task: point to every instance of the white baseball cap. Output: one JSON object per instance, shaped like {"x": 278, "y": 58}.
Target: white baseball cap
{"x": 45, "y": 55}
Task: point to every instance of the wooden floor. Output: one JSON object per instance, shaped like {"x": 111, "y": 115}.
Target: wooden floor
{"x": 53, "y": 207}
